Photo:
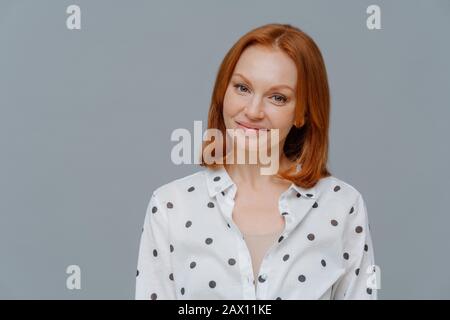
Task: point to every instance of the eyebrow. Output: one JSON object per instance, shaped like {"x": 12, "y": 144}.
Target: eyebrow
{"x": 274, "y": 87}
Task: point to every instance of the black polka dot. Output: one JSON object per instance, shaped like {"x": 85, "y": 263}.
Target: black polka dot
{"x": 346, "y": 255}
{"x": 191, "y": 189}
{"x": 311, "y": 236}
{"x": 182, "y": 291}
{"x": 231, "y": 262}
{"x": 285, "y": 213}
{"x": 280, "y": 239}
{"x": 278, "y": 298}
{"x": 323, "y": 263}
{"x": 334, "y": 223}
{"x": 192, "y": 265}
{"x": 137, "y": 273}
{"x": 337, "y": 188}
{"x": 228, "y": 225}
{"x": 366, "y": 247}
{"x": 309, "y": 195}
{"x": 171, "y": 248}
{"x": 154, "y": 209}
{"x": 188, "y": 224}
{"x": 369, "y": 291}
{"x": 261, "y": 279}
{"x": 216, "y": 178}
{"x": 358, "y": 229}
{"x": 298, "y": 195}
{"x": 153, "y": 296}
{"x": 210, "y": 205}
{"x": 155, "y": 253}
{"x": 171, "y": 276}
{"x": 315, "y": 205}
{"x": 212, "y": 284}
{"x": 301, "y": 278}
{"x": 357, "y": 271}
{"x": 351, "y": 210}
{"x": 169, "y": 205}
{"x": 208, "y": 240}
{"x": 223, "y": 193}
{"x": 285, "y": 257}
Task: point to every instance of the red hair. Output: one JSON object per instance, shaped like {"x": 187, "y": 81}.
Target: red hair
{"x": 307, "y": 141}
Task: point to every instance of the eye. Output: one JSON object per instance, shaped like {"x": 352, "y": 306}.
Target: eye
{"x": 279, "y": 99}
{"x": 241, "y": 87}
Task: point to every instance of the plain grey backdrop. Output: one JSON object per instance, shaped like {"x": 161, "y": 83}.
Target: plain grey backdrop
{"x": 86, "y": 117}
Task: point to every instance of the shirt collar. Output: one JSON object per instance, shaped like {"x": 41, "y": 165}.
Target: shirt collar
{"x": 305, "y": 192}
{"x": 218, "y": 180}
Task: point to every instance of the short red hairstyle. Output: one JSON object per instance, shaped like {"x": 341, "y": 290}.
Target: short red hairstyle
{"x": 307, "y": 142}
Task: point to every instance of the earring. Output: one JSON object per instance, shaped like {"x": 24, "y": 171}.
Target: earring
{"x": 299, "y": 125}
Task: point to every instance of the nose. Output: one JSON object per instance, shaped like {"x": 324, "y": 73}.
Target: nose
{"x": 254, "y": 110}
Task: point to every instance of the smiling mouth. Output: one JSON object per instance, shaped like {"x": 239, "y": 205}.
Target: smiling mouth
{"x": 242, "y": 126}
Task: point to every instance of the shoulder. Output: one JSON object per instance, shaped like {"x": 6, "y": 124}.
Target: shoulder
{"x": 178, "y": 187}
{"x": 336, "y": 189}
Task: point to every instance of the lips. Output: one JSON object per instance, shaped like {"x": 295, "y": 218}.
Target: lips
{"x": 248, "y": 126}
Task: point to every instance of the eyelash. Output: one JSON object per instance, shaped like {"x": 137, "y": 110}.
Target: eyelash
{"x": 238, "y": 85}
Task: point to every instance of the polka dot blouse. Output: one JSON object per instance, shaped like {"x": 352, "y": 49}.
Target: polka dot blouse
{"x": 190, "y": 248}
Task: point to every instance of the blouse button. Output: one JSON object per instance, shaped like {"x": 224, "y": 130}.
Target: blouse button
{"x": 262, "y": 277}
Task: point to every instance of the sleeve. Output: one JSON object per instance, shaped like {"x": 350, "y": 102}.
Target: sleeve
{"x": 154, "y": 275}
{"x": 361, "y": 279}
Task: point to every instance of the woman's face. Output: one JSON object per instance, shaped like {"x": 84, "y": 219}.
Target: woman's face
{"x": 261, "y": 94}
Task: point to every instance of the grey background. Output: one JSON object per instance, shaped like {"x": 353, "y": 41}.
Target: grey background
{"x": 86, "y": 117}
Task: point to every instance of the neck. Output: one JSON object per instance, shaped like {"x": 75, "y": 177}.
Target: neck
{"x": 250, "y": 174}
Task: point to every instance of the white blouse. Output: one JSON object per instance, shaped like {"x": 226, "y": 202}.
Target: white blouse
{"x": 190, "y": 247}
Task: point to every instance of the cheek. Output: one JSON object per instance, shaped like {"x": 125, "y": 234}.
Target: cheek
{"x": 228, "y": 109}
{"x": 283, "y": 119}
{"x": 232, "y": 103}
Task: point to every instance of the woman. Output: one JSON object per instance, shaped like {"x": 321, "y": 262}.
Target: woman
{"x": 231, "y": 232}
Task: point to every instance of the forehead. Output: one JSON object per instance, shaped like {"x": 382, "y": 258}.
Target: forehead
{"x": 267, "y": 66}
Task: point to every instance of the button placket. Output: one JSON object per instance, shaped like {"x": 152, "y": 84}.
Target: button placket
{"x": 284, "y": 207}
{"x": 263, "y": 277}
{"x": 246, "y": 270}
{"x": 262, "y": 281}
{"x": 245, "y": 265}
